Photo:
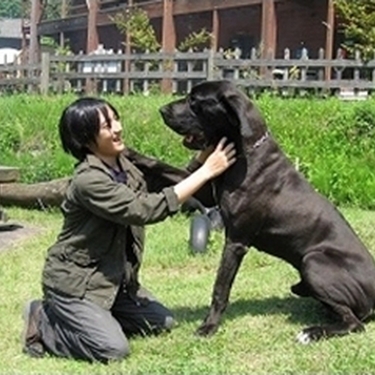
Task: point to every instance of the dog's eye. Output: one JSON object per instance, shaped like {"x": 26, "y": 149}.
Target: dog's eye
{"x": 210, "y": 102}
{"x": 193, "y": 104}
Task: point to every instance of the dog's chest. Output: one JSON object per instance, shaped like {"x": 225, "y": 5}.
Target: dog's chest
{"x": 244, "y": 193}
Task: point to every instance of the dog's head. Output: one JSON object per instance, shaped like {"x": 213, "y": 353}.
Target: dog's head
{"x": 213, "y": 110}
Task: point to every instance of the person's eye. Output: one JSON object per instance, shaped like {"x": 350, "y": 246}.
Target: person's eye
{"x": 106, "y": 125}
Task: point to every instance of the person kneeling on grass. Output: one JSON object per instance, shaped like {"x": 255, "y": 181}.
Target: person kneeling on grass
{"x": 92, "y": 299}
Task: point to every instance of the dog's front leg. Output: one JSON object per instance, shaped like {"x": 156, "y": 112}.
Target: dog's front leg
{"x": 229, "y": 265}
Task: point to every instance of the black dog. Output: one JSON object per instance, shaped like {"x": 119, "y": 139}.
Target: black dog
{"x": 267, "y": 204}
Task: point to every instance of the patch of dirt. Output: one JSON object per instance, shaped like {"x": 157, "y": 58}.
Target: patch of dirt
{"x": 11, "y": 233}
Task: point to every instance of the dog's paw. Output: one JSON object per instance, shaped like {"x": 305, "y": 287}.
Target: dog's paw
{"x": 311, "y": 334}
{"x": 206, "y": 330}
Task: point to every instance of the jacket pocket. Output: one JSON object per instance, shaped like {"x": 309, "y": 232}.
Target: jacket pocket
{"x": 79, "y": 256}
{"x": 69, "y": 270}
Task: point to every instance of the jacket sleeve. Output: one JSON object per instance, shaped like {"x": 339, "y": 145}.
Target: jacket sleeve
{"x": 159, "y": 175}
{"x": 115, "y": 202}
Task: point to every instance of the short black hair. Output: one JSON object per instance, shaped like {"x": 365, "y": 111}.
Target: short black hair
{"x": 80, "y": 124}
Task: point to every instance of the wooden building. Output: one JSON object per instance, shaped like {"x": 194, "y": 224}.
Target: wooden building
{"x": 10, "y": 33}
{"x": 269, "y": 25}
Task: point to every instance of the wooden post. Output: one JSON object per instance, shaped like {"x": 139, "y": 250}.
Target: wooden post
{"x": 215, "y": 29}
{"x": 128, "y": 53}
{"x": 268, "y": 38}
{"x": 168, "y": 42}
{"x": 329, "y": 36}
{"x": 24, "y": 32}
{"x": 269, "y": 27}
{"x": 92, "y": 38}
{"x": 64, "y": 8}
{"x": 36, "y": 13}
{"x": 44, "y": 77}
{"x": 210, "y": 65}
{"x": 92, "y": 32}
{"x": 64, "y": 13}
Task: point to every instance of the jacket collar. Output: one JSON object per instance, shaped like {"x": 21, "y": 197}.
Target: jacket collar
{"x": 93, "y": 161}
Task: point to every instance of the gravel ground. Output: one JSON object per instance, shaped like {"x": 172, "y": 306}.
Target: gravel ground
{"x": 11, "y": 232}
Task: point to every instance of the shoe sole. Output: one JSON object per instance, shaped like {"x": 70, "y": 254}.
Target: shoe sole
{"x": 37, "y": 352}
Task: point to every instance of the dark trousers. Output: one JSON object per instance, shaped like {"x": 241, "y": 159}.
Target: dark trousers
{"x": 72, "y": 327}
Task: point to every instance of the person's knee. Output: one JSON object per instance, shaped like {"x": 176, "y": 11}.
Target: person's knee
{"x": 114, "y": 350}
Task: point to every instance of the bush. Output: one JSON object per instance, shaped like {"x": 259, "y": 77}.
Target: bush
{"x": 331, "y": 142}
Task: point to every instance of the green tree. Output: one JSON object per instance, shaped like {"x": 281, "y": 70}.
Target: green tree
{"x": 52, "y": 9}
{"x": 19, "y": 8}
{"x": 10, "y": 8}
{"x": 196, "y": 41}
{"x": 357, "y": 22}
{"x": 137, "y": 25}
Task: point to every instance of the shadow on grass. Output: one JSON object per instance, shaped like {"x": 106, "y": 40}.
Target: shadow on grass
{"x": 299, "y": 310}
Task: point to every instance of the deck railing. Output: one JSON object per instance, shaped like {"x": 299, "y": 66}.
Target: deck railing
{"x": 117, "y": 72}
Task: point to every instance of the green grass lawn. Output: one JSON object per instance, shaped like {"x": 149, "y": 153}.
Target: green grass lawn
{"x": 257, "y": 334}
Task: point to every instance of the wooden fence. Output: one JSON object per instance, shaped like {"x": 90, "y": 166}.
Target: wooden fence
{"x": 107, "y": 71}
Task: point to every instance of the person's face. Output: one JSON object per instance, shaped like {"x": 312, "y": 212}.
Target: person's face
{"x": 108, "y": 142}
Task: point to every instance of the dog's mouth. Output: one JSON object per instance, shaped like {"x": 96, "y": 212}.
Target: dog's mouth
{"x": 176, "y": 118}
{"x": 194, "y": 141}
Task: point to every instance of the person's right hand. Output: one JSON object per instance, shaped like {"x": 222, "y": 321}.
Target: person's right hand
{"x": 221, "y": 159}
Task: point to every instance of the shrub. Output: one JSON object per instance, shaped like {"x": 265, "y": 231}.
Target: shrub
{"x": 331, "y": 142}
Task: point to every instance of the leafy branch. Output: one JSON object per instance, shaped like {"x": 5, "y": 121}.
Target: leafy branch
{"x": 136, "y": 24}
{"x": 357, "y": 22}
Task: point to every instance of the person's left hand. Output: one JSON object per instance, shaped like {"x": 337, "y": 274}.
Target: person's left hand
{"x": 204, "y": 154}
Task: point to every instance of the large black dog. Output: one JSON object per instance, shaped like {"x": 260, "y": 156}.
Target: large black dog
{"x": 267, "y": 204}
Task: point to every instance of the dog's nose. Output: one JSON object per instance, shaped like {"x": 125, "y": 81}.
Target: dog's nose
{"x": 165, "y": 112}
{"x": 163, "y": 109}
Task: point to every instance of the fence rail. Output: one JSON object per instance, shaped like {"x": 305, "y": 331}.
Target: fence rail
{"x": 107, "y": 71}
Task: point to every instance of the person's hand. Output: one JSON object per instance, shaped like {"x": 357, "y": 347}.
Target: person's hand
{"x": 220, "y": 159}
{"x": 204, "y": 154}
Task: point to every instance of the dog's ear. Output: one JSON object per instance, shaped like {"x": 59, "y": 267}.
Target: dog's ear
{"x": 239, "y": 107}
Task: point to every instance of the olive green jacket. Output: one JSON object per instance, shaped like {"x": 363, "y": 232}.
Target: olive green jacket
{"x": 99, "y": 248}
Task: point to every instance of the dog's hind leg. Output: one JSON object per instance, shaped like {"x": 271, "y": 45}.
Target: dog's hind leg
{"x": 350, "y": 323}
{"x": 329, "y": 280}
{"x": 301, "y": 289}
{"x": 229, "y": 265}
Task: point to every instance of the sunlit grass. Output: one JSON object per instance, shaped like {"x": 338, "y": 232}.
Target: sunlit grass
{"x": 257, "y": 333}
